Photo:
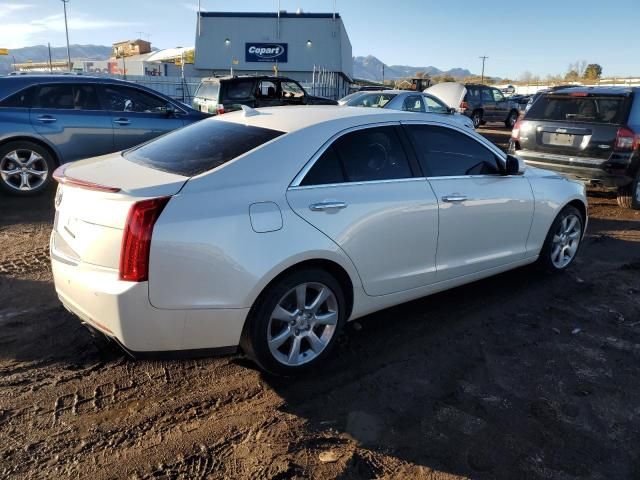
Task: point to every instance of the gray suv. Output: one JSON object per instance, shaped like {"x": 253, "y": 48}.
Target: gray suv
{"x": 48, "y": 120}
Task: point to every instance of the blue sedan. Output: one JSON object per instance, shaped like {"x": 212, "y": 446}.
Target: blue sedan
{"x": 48, "y": 120}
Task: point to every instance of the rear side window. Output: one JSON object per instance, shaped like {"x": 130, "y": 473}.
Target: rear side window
{"x": 361, "y": 156}
{"x": 413, "y": 103}
{"x": 375, "y": 100}
{"x": 55, "y": 97}
{"x": 240, "y": 90}
{"x": 208, "y": 90}
{"x": 590, "y": 109}
{"x": 21, "y": 99}
{"x": 200, "y": 147}
{"x": 444, "y": 152}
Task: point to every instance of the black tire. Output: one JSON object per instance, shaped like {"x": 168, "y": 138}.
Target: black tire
{"x": 476, "y": 118}
{"x": 629, "y": 195}
{"x": 254, "y": 341}
{"x": 511, "y": 119}
{"x": 545, "y": 260}
{"x": 10, "y": 183}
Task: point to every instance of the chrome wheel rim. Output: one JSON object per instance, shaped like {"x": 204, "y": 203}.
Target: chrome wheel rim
{"x": 23, "y": 170}
{"x": 566, "y": 241}
{"x": 302, "y": 324}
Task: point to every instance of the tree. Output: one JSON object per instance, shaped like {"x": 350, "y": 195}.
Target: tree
{"x": 526, "y": 77}
{"x": 592, "y": 72}
{"x": 572, "y": 76}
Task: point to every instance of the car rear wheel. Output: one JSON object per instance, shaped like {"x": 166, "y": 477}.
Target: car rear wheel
{"x": 25, "y": 168}
{"x": 294, "y": 324}
{"x": 476, "y": 118}
{"x": 629, "y": 195}
{"x": 511, "y": 119}
{"x": 563, "y": 240}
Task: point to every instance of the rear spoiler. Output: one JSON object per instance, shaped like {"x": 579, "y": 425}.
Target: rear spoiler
{"x": 62, "y": 178}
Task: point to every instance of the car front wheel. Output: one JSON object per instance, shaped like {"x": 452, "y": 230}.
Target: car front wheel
{"x": 25, "y": 168}
{"x": 563, "y": 240}
{"x": 511, "y": 119}
{"x": 294, "y": 324}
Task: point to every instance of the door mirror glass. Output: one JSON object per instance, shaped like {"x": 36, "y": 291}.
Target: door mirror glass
{"x": 514, "y": 166}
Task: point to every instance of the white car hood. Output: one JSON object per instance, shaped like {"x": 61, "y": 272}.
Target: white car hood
{"x": 451, "y": 93}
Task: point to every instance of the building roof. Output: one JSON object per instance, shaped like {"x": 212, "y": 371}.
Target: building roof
{"x": 268, "y": 15}
{"x": 168, "y": 54}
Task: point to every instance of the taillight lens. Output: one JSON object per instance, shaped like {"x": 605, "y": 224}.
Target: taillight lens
{"x": 515, "y": 133}
{"x": 220, "y": 109}
{"x": 136, "y": 241}
{"x": 464, "y": 105}
{"x": 627, "y": 139}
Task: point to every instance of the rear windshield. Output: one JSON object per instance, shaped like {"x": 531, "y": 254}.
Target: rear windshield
{"x": 591, "y": 109}
{"x": 208, "y": 90}
{"x": 200, "y": 147}
{"x": 375, "y": 100}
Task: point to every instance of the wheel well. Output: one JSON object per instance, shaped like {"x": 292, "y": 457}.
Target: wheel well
{"x": 582, "y": 208}
{"x": 339, "y": 273}
{"x": 37, "y": 142}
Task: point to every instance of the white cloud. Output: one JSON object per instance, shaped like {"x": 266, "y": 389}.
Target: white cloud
{"x": 38, "y": 30}
{"x": 7, "y": 9}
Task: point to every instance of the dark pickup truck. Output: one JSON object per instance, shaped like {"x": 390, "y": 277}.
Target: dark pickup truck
{"x": 587, "y": 133}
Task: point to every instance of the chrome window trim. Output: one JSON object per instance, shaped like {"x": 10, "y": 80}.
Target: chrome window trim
{"x": 355, "y": 184}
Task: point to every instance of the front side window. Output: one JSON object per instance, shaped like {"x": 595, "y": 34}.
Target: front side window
{"x": 239, "y": 90}
{"x": 497, "y": 95}
{"x": 435, "y": 106}
{"x": 413, "y": 103}
{"x": 126, "y": 99}
{"x": 267, "y": 89}
{"x": 200, "y": 147}
{"x": 374, "y": 100}
{"x": 85, "y": 97}
{"x": 444, "y": 152}
{"x": 291, "y": 90}
{"x": 364, "y": 155}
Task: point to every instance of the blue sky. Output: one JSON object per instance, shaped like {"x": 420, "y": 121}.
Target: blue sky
{"x": 541, "y": 36}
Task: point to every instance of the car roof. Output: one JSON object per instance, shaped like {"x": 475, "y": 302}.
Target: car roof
{"x": 292, "y": 118}
{"x": 245, "y": 77}
{"x": 595, "y": 90}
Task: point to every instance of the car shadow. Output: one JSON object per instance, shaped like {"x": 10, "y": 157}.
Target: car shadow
{"x": 36, "y": 209}
{"x": 489, "y": 380}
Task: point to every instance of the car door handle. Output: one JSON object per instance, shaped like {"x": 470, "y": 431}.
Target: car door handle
{"x": 455, "y": 198}
{"x": 46, "y": 119}
{"x": 122, "y": 121}
{"x": 323, "y": 206}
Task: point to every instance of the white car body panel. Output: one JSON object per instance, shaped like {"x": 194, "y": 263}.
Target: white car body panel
{"x": 451, "y": 93}
{"x": 227, "y": 233}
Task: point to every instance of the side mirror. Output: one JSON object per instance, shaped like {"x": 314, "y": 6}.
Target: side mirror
{"x": 514, "y": 166}
{"x": 170, "y": 110}
{"x": 451, "y": 110}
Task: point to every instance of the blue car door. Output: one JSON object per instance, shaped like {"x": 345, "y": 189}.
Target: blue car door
{"x": 70, "y": 117}
{"x": 137, "y": 115}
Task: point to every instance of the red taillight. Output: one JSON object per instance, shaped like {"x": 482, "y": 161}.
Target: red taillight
{"x": 63, "y": 179}
{"x": 464, "y": 105}
{"x": 578, "y": 94}
{"x": 136, "y": 241}
{"x": 627, "y": 139}
{"x": 515, "y": 133}
{"x": 220, "y": 109}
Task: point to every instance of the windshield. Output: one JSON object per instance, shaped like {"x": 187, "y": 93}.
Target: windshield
{"x": 589, "y": 109}
{"x": 374, "y": 100}
{"x": 200, "y": 147}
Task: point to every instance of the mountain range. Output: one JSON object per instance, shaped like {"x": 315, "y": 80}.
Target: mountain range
{"x": 365, "y": 68}
{"x": 370, "y": 68}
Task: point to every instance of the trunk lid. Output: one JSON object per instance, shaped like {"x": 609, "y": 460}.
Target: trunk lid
{"x": 574, "y": 124}
{"x": 89, "y": 221}
{"x": 451, "y": 93}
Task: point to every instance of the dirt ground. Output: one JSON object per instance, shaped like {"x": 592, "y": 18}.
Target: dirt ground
{"x": 523, "y": 375}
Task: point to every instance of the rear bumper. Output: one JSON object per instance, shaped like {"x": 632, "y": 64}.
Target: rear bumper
{"x": 589, "y": 170}
{"x": 121, "y": 310}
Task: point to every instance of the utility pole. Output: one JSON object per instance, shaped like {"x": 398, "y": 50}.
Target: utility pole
{"x": 50, "y": 67}
{"x": 484, "y": 58}
{"x": 66, "y": 29}
{"x": 383, "y": 74}
{"x": 199, "y": 18}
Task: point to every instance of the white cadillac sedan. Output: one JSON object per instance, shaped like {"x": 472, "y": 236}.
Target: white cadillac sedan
{"x": 268, "y": 230}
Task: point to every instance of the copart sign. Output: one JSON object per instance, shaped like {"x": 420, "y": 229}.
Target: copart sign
{"x": 265, "y": 52}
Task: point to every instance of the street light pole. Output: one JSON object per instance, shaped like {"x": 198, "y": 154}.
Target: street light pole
{"x": 66, "y": 29}
{"x": 484, "y": 57}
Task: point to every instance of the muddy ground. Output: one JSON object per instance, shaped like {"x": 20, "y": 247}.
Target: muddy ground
{"x": 523, "y": 375}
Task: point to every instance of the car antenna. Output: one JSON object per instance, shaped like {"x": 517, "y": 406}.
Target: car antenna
{"x": 249, "y": 112}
